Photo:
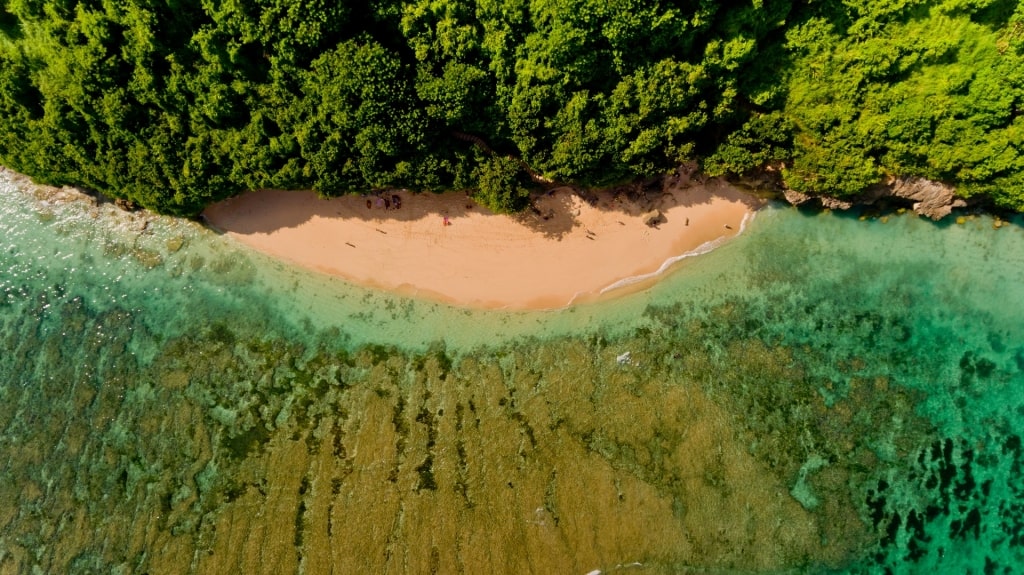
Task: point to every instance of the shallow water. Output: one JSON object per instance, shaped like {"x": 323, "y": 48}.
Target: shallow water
{"x": 822, "y": 394}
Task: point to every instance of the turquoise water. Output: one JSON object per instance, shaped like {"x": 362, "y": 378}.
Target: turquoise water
{"x": 158, "y": 383}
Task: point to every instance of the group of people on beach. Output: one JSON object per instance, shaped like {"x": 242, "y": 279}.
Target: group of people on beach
{"x": 384, "y": 202}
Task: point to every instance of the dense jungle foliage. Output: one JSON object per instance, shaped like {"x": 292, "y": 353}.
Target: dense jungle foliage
{"x": 173, "y": 104}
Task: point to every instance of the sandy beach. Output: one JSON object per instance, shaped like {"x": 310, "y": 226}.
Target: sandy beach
{"x": 575, "y": 247}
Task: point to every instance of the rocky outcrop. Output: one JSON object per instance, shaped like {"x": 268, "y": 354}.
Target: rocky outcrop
{"x": 836, "y": 203}
{"x": 126, "y": 205}
{"x": 797, "y": 198}
{"x": 932, "y": 199}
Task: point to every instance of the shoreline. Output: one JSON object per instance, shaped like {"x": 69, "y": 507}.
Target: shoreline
{"x": 573, "y": 247}
{"x": 666, "y": 266}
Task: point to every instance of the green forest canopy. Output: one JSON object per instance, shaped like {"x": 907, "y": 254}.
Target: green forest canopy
{"x": 174, "y": 104}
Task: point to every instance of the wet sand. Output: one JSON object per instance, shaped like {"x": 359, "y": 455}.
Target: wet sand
{"x": 574, "y": 247}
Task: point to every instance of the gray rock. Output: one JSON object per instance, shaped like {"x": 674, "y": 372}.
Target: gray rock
{"x": 836, "y": 203}
{"x": 933, "y": 199}
{"x": 796, "y": 198}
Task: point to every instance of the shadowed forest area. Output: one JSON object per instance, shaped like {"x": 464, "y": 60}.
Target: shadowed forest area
{"x": 172, "y": 105}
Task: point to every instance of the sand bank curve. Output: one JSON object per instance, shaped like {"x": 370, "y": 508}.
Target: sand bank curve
{"x": 575, "y": 247}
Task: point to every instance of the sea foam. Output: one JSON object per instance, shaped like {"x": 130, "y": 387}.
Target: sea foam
{"x": 704, "y": 248}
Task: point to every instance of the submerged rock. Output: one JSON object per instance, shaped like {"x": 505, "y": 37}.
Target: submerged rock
{"x": 174, "y": 244}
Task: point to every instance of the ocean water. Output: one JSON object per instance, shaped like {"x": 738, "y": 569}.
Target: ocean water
{"x": 827, "y": 393}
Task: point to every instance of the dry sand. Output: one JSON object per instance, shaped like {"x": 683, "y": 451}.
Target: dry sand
{"x": 577, "y": 246}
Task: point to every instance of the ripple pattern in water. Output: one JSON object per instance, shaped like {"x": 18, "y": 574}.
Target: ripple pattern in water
{"x": 822, "y": 394}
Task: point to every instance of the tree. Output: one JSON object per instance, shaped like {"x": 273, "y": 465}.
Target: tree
{"x": 500, "y": 186}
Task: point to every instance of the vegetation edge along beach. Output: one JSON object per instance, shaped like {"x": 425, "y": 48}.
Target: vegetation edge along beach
{"x": 172, "y": 107}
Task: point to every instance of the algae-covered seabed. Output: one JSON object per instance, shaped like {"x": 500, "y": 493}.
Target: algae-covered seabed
{"x": 823, "y": 393}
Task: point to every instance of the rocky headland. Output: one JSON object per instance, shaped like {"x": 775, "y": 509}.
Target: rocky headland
{"x": 932, "y": 199}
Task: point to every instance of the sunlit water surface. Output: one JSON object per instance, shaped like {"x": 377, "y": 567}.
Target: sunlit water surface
{"x": 825, "y": 393}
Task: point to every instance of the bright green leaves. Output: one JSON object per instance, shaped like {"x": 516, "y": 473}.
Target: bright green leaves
{"x": 439, "y": 31}
{"x": 610, "y": 91}
{"x": 837, "y": 165}
{"x": 499, "y": 186}
{"x": 579, "y": 149}
{"x": 292, "y": 31}
{"x": 451, "y": 81}
{"x": 457, "y": 96}
{"x": 765, "y": 140}
{"x": 654, "y": 116}
{"x": 361, "y": 123}
{"x": 174, "y": 104}
{"x": 930, "y": 93}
